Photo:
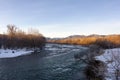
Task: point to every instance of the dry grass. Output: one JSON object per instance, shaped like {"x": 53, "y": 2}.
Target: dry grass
{"x": 109, "y": 41}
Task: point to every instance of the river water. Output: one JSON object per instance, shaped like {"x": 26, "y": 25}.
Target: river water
{"x": 56, "y": 62}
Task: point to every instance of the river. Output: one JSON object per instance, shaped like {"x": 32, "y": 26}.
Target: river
{"x": 56, "y": 62}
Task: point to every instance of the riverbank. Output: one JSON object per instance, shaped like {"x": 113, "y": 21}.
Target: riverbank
{"x": 111, "y": 58}
{"x": 10, "y": 53}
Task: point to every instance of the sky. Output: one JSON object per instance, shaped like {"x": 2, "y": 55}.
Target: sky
{"x": 62, "y": 18}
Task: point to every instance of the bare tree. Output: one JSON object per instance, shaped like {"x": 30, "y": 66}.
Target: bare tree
{"x": 17, "y": 38}
{"x": 12, "y": 29}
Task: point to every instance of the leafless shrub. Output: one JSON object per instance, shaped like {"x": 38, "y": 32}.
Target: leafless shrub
{"x": 16, "y": 38}
{"x": 95, "y": 70}
{"x": 104, "y": 43}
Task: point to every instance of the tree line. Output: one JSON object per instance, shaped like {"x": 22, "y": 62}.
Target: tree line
{"x": 16, "y": 38}
{"x": 106, "y": 41}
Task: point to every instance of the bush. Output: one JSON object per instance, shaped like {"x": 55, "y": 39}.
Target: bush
{"x": 103, "y": 43}
{"x": 95, "y": 70}
{"x": 16, "y": 38}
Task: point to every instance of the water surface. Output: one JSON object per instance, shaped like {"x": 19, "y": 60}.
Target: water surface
{"x": 56, "y": 62}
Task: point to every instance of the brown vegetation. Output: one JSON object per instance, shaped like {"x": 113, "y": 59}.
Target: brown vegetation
{"x": 95, "y": 70}
{"x": 16, "y": 38}
{"x": 109, "y": 41}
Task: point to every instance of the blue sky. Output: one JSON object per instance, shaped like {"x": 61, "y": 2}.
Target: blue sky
{"x": 61, "y": 18}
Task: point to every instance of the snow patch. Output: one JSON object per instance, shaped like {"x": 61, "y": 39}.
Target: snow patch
{"x": 111, "y": 58}
{"x": 9, "y": 53}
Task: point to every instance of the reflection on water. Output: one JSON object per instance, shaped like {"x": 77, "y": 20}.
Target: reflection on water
{"x": 56, "y": 62}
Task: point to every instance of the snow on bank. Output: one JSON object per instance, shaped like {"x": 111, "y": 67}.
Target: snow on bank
{"x": 111, "y": 58}
{"x": 8, "y": 53}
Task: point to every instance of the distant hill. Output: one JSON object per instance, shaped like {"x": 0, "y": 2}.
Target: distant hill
{"x": 76, "y": 36}
{"x": 87, "y": 40}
